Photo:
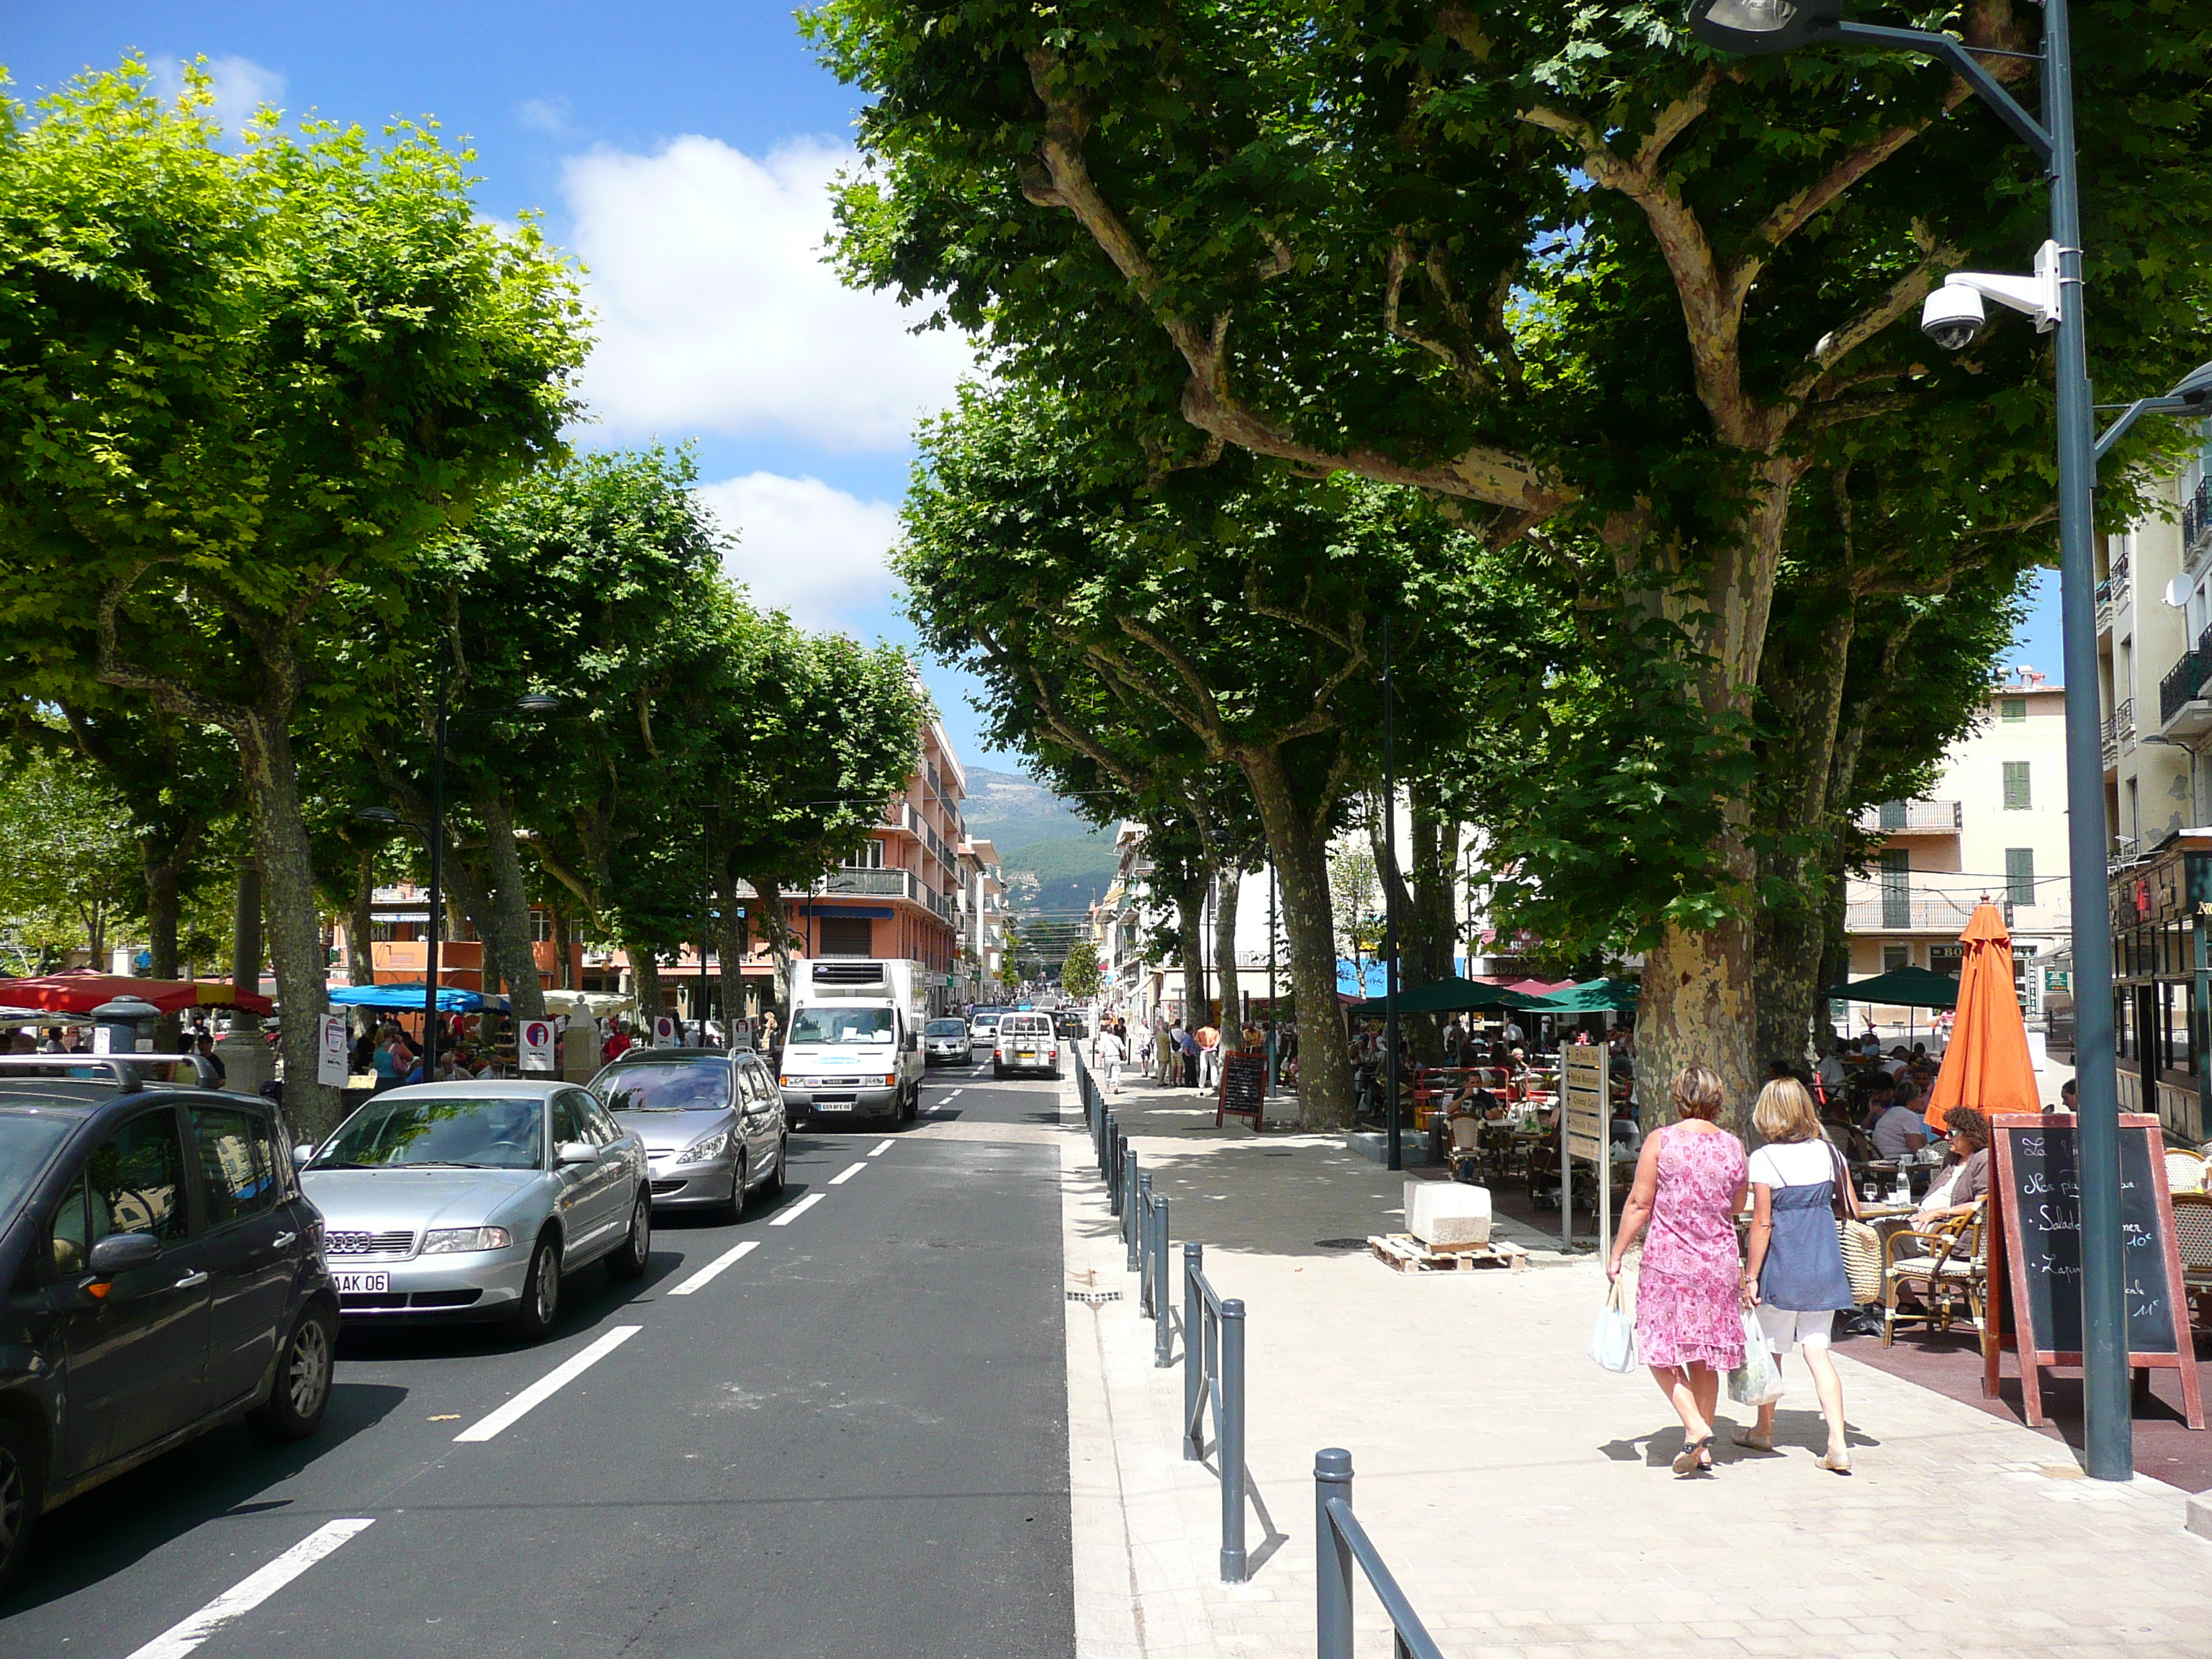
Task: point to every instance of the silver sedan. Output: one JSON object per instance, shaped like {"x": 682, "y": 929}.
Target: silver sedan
{"x": 476, "y": 1199}
{"x": 712, "y": 1124}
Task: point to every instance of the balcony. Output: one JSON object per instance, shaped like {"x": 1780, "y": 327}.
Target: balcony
{"x": 1915, "y": 817}
{"x": 899, "y": 815}
{"x": 2119, "y": 732}
{"x": 1907, "y": 910}
{"x": 2197, "y": 522}
{"x": 868, "y": 884}
{"x": 2183, "y": 711}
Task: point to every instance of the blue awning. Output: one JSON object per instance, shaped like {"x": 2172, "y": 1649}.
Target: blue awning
{"x": 451, "y": 998}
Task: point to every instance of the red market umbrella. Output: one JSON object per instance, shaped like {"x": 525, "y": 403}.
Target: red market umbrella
{"x": 81, "y": 993}
{"x": 1987, "y": 1064}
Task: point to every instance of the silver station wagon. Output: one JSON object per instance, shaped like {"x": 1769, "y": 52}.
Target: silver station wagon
{"x": 475, "y": 1200}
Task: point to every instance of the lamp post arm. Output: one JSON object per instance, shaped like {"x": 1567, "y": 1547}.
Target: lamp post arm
{"x": 2143, "y": 406}
{"x": 1961, "y": 62}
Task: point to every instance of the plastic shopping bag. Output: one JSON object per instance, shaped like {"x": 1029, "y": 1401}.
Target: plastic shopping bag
{"x": 1613, "y": 1344}
{"x": 1759, "y": 1379}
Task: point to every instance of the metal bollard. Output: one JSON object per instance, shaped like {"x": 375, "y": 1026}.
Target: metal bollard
{"x": 1333, "y": 1553}
{"x": 1193, "y": 1344}
{"x": 1231, "y": 1450}
{"x": 1130, "y": 1194}
{"x": 1110, "y": 1168}
{"x": 1144, "y": 1220}
{"x": 1163, "y": 1326}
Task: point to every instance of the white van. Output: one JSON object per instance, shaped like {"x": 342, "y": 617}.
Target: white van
{"x": 1025, "y": 1043}
{"x": 853, "y": 1045}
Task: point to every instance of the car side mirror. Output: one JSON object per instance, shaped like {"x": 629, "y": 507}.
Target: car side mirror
{"x": 575, "y": 1152}
{"x": 120, "y": 1252}
{"x": 301, "y": 1153}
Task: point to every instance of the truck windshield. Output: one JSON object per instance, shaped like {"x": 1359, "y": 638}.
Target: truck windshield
{"x": 841, "y": 1025}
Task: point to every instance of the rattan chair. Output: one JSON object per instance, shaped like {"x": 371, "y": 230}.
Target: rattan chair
{"x": 2192, "y": 1237}
{"x": 1942, "y": 1266}
{"x": 2184, "y": 1171}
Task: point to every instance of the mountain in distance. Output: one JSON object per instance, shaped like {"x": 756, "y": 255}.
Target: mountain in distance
{"x": 1055, "y": 860}
{"x": 1009, "y": 810}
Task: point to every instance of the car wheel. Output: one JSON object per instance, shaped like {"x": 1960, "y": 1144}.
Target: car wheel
{"x": 911, "y": 1104}
{"x": 541, "y": 1290}
{"x": 301, "y": 1391}
{"x": 773, "y": 1185}
{"x": 631, "y": 1262}
{"x": 21, "y": 1496}
{"x": 733, "y": 1207}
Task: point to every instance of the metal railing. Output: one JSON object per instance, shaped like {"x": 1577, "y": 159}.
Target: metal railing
{"x": 901, "y": 815}
{"x": 887, "y": 883}
{"x": 2183, "y": 682}
{"x": 1340, "y": 1541}
{"x": 2197, "y": 520}
{"x": 2117, "y": 581}
{"x": 1893, "y": 816}
{"x": 1908, "y": 912}
{"x": 2123, "y": 721}
{"x": 1213, "y": 1379}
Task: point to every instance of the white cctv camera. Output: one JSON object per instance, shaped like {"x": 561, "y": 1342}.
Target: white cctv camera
{"x": 1952, "y": 317}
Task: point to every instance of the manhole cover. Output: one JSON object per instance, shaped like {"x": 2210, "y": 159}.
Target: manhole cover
{"x": 1093, "y": 1297}
{"x": 1339, "y": 1243}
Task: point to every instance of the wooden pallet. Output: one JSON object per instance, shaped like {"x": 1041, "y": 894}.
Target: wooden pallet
{"x": 1409, "y": 1255}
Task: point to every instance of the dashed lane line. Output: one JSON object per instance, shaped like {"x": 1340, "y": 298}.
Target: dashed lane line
{"x": 250, "y": 1591}
{"x": 797, "y": 1210}
{"x": 881, "y": 1147}
{"x": 548, "y": 1385}
{"x": 707, "y": 1274}
{"x": 846, "y": 1174}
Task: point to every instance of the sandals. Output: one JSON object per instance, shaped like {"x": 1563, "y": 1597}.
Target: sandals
{"x": 1837, "y": 1463}
{"x": 1696, "y": 1456}
{"x": 1754, "y": 1440}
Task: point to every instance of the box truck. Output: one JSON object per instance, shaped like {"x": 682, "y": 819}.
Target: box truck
{"x": 853, "y": 1048}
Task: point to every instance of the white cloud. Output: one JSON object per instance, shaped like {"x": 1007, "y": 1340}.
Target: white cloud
{"x": 807, "y": 548}
{"x": 543, "y": 114}
{"x": 241, "y": 87}
{"x": 718, "y": 315}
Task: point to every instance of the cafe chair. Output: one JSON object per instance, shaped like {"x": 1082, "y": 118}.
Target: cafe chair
{"x": 2192, "y": 1238}
{"x": 1466, "y": 1153}
{"x": 1942, "y": 1266}
{"x": 2184, "y": 1171}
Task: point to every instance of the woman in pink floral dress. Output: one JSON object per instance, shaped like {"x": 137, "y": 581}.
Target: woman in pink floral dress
{"x": 1689, "y": 1306}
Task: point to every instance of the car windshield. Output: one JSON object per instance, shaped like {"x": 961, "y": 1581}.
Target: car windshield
{"x": 26, "y": 1141}
{"x": 946, "y": 1028}
{"x": 841, "y": 1026}
{"x": 439, "y": 1132}
{"x": 701, "y": 1087}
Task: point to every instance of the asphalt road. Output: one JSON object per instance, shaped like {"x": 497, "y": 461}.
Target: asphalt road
{"x": 851, "y": 1440}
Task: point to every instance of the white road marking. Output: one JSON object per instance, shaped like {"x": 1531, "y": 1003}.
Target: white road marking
{"x": 548, "y": 1385}
{"x": 846, "y": 1174}
{"x": 797, "y": 1210}
{"x": 706, "y": 1275}
{"x": 250, "y": 1591}
{"x": 881, "y": 1147}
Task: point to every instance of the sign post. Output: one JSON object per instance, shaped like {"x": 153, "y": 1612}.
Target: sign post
{"x": 534, "y": 1044}
{"x": 1583, "y": 1135}
{"x": 333, "y": 1068}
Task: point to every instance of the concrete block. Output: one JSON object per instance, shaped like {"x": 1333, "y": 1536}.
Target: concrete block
{"x": 1447, "y": 1212}
{"x": 2200, "y": 1514}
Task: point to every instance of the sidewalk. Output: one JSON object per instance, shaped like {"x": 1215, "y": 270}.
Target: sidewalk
{"x": 1520, "y": 1494}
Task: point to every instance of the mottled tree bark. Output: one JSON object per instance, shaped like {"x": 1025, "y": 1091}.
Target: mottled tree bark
{"x": 645, "y": 974}
{"x": 1300, "y": 846}
{"x": 504, "y": 921}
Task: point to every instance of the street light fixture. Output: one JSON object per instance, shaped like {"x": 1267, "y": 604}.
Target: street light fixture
{"x": 1771, "y": 25}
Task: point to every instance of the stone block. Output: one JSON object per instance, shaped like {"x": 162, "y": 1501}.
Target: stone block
{"x": 1447, "y": 1212}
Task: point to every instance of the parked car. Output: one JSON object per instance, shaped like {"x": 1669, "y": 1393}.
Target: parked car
{"x": 477, "y": 1200}
{"x": 167, "y": 1277}
{"x": 712, "y": 1124}
{"x": 1025, "y": 1043}
{"x": 947, "y": 1040}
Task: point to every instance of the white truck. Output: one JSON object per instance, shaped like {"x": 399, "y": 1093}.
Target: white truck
{"x": 853, "y": 1045}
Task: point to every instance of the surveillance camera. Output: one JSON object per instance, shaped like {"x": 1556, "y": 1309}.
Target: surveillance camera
{"x": 1952, "y": 316}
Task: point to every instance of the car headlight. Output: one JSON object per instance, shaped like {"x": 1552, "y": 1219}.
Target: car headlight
{"x": 447, "y": 1240}
{"x": 707, "y": 1147}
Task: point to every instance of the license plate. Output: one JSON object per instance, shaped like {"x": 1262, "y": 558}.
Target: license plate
{"x": 364, "y": 1284}
{"x": 833, "y": 1105}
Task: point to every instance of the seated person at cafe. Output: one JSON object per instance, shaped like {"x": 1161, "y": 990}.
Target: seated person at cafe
{"x": 1622, "y": 1129}
{"x": 1964, "y": 1181}
{"x": 1900, "y": 1129}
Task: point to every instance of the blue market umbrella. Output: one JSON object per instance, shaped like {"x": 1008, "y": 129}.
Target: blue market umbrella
{"x": 407, "y": 999}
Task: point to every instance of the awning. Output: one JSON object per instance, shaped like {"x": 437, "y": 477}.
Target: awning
{"x": 1447, "y": 996}
{"x": 81, "y": 993}
{"x": 1901, "y": 987}
{"x": 1594, "y": 996}
{"x": 407, "y": 999}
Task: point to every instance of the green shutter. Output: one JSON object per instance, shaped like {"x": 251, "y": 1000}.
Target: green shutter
{"x": 2012, "y": 708}
{"x": 2017, "y": 796}
{"x": 2020, "y": 874}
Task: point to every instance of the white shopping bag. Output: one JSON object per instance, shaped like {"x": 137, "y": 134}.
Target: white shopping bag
{"x": 1613, "y": 1344}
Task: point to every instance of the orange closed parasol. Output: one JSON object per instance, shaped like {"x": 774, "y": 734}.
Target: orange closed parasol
{"x": 1987, "y": 1065}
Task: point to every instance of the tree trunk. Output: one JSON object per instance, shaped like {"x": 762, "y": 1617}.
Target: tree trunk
{"x": 360, "y": 922}
{"x": 1696, "y": 1010}
{"x": 645, "y": 974}
{"x": 1226, "y": 886}
{"x": 1299, "y": 846}
{"x": 468, "y": 904}
{"x": 733, "y": 940}
{"x": 564, "y": 950}
{"x": 1425, "y": 946}
{"x": 775, "y": 930}
{"x": 1190, "y": 946}
{"x": 162, "y": 904}
{"x": 290, "y": 918}
{"x": 506, "y": 916}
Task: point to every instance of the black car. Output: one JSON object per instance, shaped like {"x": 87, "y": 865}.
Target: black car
{"x": 164, "y": 1276}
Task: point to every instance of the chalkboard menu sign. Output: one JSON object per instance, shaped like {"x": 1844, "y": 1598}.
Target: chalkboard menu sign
{"x": 1244, "y": 1086}
{"x": 2035, "y": 1254}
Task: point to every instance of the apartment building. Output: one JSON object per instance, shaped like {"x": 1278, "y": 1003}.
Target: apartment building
{"x": 1993, "y": 827}
{"x": 984, "y": 919}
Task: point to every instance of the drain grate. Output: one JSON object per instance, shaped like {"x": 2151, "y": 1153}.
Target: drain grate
{"x": 1339, "y": 1243}
{"x": 1093, "y": 1297}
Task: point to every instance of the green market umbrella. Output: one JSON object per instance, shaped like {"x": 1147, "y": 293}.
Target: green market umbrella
{"x": 1901, "y": 987}
{"x": 1595, "y": 996}
{"x": 1452, "y": 995}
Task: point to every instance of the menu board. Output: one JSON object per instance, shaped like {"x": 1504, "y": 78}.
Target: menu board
{"x": 1582, "y": 1095}
{"x": 2035, "y": 1257}
{"x": 1243, "y": 1091}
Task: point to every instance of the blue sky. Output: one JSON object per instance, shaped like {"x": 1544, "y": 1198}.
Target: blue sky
{"x": 681, "y": 149}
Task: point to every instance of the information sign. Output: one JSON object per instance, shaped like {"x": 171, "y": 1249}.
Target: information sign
{"x": 533, "y": 1042}
{"x": 332, "y": 1064}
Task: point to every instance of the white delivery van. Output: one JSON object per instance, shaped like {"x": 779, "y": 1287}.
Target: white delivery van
{"x": 853, "y": 1045}
{"x": 1025, "y": 1043}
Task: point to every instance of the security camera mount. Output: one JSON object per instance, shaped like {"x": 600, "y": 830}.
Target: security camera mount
{"x": 2038, "y": 295}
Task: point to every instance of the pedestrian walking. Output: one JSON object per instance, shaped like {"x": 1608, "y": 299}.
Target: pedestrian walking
{"x": 1188, "y": 1044}
{"x": 1689, "y": 1310}
{"x": 1107, "y": 1051}
{"x": 1794, "y": 1277}
{"x": 1209, "y": 1055}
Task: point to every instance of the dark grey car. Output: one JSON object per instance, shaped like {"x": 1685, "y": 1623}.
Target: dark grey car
{"x": 712, "y": 1124}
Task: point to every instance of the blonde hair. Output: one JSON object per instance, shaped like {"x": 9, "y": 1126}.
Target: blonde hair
{"x": 1697, "y": 1092}
{"x": 1785, "y": 1112}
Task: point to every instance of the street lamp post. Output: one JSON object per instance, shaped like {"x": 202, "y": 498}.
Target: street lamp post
{"x": 1395, "y": 1148}
{"x": 433, "y": 834}
{"x": 1776, "y": 26}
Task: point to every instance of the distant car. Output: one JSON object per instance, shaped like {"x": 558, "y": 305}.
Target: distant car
{"x": 712, "y": 1124}
{"x": 947, "y": 1040}
{"x": 984, "y": 1026}
{"x": 476, "y": 1199}
{"x": 1025, "y": 1043}
{"x": 167, "y": 1276}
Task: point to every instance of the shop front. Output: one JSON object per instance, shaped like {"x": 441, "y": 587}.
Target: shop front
{"x": 2161, "y": 909}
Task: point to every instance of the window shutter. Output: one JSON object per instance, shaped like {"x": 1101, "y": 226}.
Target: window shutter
{"x": 2020, "y": 874}
{"x": 2017, "y": 796}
